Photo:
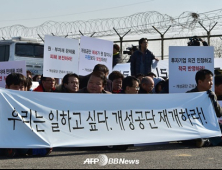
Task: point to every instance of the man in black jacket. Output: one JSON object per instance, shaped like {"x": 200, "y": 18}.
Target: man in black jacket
{"x": 141, "y": 60}
{"x": 204, "y": 80}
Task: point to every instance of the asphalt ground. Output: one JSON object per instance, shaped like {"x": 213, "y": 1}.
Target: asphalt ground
{"x": 165, "y": 156}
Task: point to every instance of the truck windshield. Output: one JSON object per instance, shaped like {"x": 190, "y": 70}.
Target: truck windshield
{"x": 29, "y": 50}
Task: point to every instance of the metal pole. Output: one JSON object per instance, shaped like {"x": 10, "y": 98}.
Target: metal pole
{"x": 162, "y": 47}
{"x": 162, "y": 41}
{"x": 121, "y": 39}
{"x": 208, "y": 32}
{"x": 68, "y": 34}
{"x": 41, "y": 38}
{"x": 81, "y": 33}
{"x": 93, "y": 34}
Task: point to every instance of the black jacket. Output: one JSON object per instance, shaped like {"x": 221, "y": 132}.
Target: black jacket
{"x": 217, "y": 108}
{"x": 138, "y": 58}
{"x": 61, "y": 89}
{"x": 117, "y": 59}
{"x": 142, "y": 91}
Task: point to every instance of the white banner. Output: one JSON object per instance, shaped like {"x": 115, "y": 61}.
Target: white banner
{"x": 184, "y": 63}
{"x": 218, "y": 63}
{"x": 61, "y": 56}
{"x": 92, "y": 52}
{"x": 123, "y": 68}
{"x": 38, "y": 120}
{"x": 7, "y": 68}
{"x": 161, "y": 68}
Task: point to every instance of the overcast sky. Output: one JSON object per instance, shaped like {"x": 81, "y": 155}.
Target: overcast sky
{"x": 32, "y": 13}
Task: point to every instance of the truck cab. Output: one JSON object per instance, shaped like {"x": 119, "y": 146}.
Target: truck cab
{"x": 24, "y": 49}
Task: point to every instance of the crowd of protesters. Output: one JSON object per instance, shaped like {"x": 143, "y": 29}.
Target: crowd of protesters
{"x": 101, "y": 81}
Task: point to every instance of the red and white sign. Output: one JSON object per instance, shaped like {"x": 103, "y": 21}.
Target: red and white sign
{"x": 184, "y": 63}
{"x": 61, "y": 56}
{"x": 94, "y": 51}
{"x": 7, "y": 68}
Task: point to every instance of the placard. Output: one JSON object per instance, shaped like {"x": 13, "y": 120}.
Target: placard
{"x": 184, "y": 63}
{"x": 7, "y": 68}
{"x": 61, "y": 56}
{"x": 94, "y": 51}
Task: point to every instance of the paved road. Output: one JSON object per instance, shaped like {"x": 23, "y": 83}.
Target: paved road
{"x": 170, "y": 156}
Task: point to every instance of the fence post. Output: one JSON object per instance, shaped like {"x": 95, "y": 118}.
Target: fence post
{"x": 121, "y": 39}
{"x": 162, "y": 41}
{"x": 41, "y": 38}
{"x": 208, "y": 32}
{"x": 93, "y": 34}
{"x": 81, "y": 33}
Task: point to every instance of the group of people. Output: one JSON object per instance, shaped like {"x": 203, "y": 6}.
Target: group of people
{"x": 101, "y": 81}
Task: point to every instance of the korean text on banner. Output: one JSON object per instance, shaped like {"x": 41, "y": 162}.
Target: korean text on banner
{"x": 61, "y": 56}
{"x": 161, "y": 68}
{"x": 63, "y": 120}
{"x": 184, "y": 63}
{"x": 123, "y": 68}
{"x": 92, "y": 52}
{"x": 7, "y": 68}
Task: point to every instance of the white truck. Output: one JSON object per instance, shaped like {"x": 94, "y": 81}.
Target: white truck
{"x": 24, "y": 49}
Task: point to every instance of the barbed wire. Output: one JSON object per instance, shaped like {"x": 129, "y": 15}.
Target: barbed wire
{"x": 140, "y": 23}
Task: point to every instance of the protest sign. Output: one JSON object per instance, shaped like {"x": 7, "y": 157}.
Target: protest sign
{"x": 184, "y": 63}
{"x": 161, "y": 68}
{"x": 61, "y": 56}
{"x": 38, "y": 120}
{"x": 92, "y": 52}
{"x": 218, "y": 63}
{"x": 123, "y": 68}
{"x": 7, "y": 68}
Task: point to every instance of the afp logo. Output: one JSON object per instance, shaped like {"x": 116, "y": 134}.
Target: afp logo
{"x": 102, "y": 160}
